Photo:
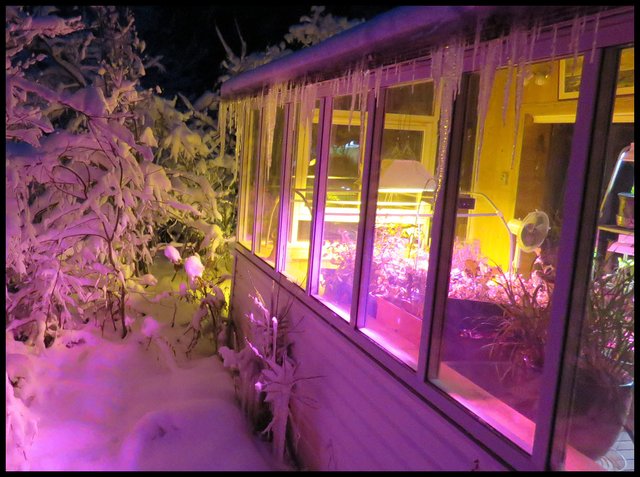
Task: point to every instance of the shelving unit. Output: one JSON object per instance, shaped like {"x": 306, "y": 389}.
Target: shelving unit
{"x": 613, "y": 238}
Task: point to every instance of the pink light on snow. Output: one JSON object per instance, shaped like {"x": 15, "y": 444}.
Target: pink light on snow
{"x": 194, "y": 268}
{"x": 172, "y": 254}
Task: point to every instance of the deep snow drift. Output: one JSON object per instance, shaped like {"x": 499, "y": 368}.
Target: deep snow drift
{"x": 103, "y": 403}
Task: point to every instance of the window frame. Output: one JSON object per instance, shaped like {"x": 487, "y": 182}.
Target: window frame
{"x": 593, "y": 121}
{"x": 247, "y": 157}
{"x": 285, "y": 186}
{"x": 597, "y": 94}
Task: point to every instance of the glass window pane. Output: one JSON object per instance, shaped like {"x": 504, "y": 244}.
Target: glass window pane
{"x": 342, "y": 206}
{"x": 249, "y": 172}
{"x": 503, "y": 263}
{"x": 601, "y": 418}
{"x": 301, "y": 194}
{"x": 398, "y": 272}
{"x": 269, "y": 200}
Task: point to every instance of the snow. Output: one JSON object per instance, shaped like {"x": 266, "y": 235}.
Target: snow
{"x": 148, "y": 138}
{"x": 90, "y": 101}
{"x": 150, "y": 327}
{"x": 96, "y": 402}
{"x": 172, "y": 254}
{"x": 194, "y": 268}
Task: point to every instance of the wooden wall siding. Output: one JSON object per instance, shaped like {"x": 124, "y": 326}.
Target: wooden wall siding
{"x": 361, "y": 417}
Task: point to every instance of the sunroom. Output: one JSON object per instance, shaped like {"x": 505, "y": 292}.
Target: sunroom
{"x": 445, "y": 195}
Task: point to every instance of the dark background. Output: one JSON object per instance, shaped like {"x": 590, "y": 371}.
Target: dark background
{"x": 186, "y": 37}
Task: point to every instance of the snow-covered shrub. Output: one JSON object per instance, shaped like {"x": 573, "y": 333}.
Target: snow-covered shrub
{"x": 317, "y": 27}
{"x": 312, "y": 29}
{"x": 266, "y": 376}
{"x": 203, "y": 289}
{"x": 85, "y": 187}
{"x": 202, "y": 173}
{"x": 76, "y": 175}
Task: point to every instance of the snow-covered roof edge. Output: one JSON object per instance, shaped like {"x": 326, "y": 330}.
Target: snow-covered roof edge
{"x": 379, "y": 33}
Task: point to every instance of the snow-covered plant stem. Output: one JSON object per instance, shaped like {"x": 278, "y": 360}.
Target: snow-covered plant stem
{"x": 203, "y": 289}
{"x": 266, "y": 375}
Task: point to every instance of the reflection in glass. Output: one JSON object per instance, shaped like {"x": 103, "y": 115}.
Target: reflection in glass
{"x": 504, "y": 257}
{"x": 342, "y": 206}
{"x": 301, "y": 195}
{"x": 398, "y": 271}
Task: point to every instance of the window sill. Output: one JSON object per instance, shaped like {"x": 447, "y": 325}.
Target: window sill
{"x": 501, "y": 417}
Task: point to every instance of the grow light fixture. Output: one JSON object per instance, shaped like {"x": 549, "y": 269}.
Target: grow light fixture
{"x": 403, "y": 175}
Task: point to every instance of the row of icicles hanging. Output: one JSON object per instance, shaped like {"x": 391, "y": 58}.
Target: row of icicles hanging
{"x": 513, "y": 49}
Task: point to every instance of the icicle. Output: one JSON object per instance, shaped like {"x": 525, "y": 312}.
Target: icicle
{"x": 222, "y": 127}
{"x": 363, "y": 118}
{"x": 436, "y": 67}
{"x": 476, "y": 41}
{"x": 269, "y": 107}
{"x": 535, "y": 33}
{"x": 413, "y": 74}
{"x": 376, "y": 87}
{"x": 297, "y": 94}
{"x": 577, "y": 28}
{"x": 595, "y": 37}
{"x": 228, "y": 123}
{"x": 523, "y": 55}
{"x": 554, "y": 39}
{"x": 446, "y": 71}
{"x": 269, "y": 103}
{"x": 524, "y": 38}
{"x": 345, "y": 82}
{"x": 520, "y": 75}
{"x": 358, "y": 83}
{"x": 304, "y": 106}
{"x": 491, "y": 59}
{"x": 512, "y": 49}
{"x": 307, "y": 106}
{"x": 307, "y": 103}
{"x": 233, "y": 116}
{"x": 364, "y": 91}
{"x": 354, "y": 93}
{"x": 293, "y": 93}
{"x": 237, "y": 112}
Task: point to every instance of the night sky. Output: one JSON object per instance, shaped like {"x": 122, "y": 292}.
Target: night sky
{"x": 186, "y": 37}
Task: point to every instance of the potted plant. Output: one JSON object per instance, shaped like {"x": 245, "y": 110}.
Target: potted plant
{"x": 604, "y": 372}
{"x": 336, "y": 279}
{"x": 521, "y": 330}
{"x": 398, "y": 280}
{"x": 626, "y": 209}
{"x": 604, "y": 367}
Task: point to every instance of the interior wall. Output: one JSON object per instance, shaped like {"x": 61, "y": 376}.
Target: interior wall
{"x": 516, "y": 187}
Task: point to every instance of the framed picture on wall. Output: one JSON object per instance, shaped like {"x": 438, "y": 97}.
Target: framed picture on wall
{"x": 571, "y": 71}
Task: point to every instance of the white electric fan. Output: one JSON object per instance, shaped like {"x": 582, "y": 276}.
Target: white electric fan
{"x": 527, "y": 234}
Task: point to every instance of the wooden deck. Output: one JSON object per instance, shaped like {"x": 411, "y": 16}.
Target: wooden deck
{"x": 621, "y": 456}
